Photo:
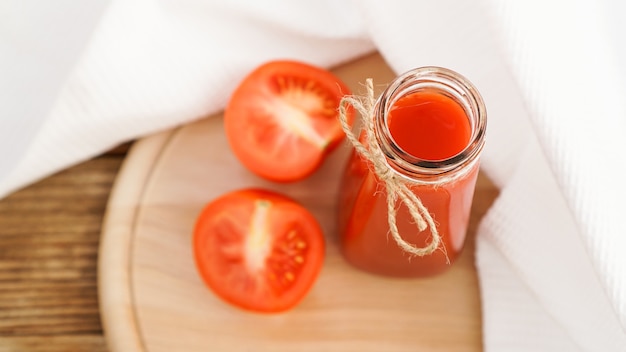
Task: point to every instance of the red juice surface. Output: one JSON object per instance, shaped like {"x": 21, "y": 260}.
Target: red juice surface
{"x": 429, "y": 126}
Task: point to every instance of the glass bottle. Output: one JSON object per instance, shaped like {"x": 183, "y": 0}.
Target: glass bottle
{"x": 430, "y": 123}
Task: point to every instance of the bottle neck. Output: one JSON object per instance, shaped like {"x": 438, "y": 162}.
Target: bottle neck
{"x": 447, "y": 83}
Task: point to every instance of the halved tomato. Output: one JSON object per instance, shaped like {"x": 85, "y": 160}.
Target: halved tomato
{"x": 282, "y": 120}
{"x": 258, "y": 250}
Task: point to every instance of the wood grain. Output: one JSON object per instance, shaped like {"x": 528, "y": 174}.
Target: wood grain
{"x": 49, "y": 237}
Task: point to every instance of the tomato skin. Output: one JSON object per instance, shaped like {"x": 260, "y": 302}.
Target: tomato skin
{"x": 282, "y": 120}
{"x": 258, "y": 250}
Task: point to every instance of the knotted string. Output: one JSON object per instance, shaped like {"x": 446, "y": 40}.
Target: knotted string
{"x": 396, "y": 187}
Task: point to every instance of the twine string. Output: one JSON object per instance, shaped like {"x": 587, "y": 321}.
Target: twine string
{"x": 396, "y": 187}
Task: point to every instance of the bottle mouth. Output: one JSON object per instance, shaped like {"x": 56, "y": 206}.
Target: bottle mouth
{"x": 441, "y": 81}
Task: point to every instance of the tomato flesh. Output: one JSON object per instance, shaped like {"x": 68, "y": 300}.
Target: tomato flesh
{"x": 258, "y": 250}
{"x": 282, "y": 120}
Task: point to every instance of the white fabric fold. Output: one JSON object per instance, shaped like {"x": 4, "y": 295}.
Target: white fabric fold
{"x": 576, "y": 97}
{"x": 39, "y": 47}
{"x": 530, "y": 258}
{"x": 553, "y": 75}
{"x": 151, "y": 65}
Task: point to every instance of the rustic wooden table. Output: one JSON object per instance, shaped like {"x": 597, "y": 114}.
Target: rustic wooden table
{"x": 49, "y": 236}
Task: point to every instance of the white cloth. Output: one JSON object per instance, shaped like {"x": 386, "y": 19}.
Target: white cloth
{"x": 550, "y": 252}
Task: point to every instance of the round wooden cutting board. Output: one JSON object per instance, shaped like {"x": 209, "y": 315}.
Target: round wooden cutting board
{"x": 152, "y": 299}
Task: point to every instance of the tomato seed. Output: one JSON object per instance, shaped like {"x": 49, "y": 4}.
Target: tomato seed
{"x": 289, "y": 276}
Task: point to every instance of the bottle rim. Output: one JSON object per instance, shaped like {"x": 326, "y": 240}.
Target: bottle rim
{"x": 443, "y": 81}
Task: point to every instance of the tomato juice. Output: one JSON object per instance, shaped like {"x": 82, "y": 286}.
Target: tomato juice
{"x": 427, "y": 125}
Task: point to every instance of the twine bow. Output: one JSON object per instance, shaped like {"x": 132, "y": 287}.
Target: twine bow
{"x": 396, "y": 187}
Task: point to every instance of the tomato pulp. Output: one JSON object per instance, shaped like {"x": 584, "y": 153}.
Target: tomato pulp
{"x": 258, "y": 250}
{"x": 282, "y": 120}
{"x": 429, "y": 126}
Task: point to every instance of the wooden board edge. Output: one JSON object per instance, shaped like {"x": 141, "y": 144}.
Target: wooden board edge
{"x": 116, "y": 303}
